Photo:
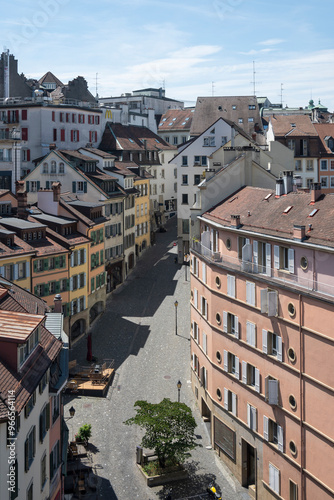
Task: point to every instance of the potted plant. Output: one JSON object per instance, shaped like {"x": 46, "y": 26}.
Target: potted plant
{"x": 84, "y": 433}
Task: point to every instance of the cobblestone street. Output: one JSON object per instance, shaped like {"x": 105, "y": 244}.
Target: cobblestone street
{"x": 137, "y": 331}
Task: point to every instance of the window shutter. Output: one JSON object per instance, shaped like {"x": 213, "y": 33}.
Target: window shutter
{"x": 79, "y": 257}
{"x": 78, "y": 305}
{"x": 244, "y": 372}
{"x": 234, "y": 403}
{"x": 47, "y": 416}
{"x": 27, "y": 269}
{"x": 249, "y": 415}
{"x": 225, "y": 360}
{"x": 16, "y": 271}
{"x": 57, "y": 261}
{"x": 204, "y": 272}
{"x": 51, "y": 465}
{"x": 41, "y": 427}
{"x": 26, "y": 455}
{"x": 206, "y": 308}
{"x": 72, "y": 308}
{"x": 268, "y": 259}
{"x": 84, "y": 261}
{"x": 280, "y": 438}
{"x": 74, "y": 187}
{"x": 27, "y": 186}
{"x": 247, "y": 257}
{"x": 225, "y": 321}
{"x": 68, "y": 285}
{"x": 248, "y": 332}
{"x": 204, "y": 342}
{"x": 276, "y": 256}
{"x": 38, "y": 185}
{"x": 248, "y": 292}
{"x": 272, "y": 303}
{"x": 291, "y": 257}
{"x": 257, "y": 380}
{"x": 85, "y": 186}
{"x": 193, "y": 361}
{"x": 85, "y": 279}
{"x": 236, "y": 327}
{"x": 255, "y": 256}
{"x": 265, "y": 341}
{"x": 47, "y": 184}
{"x": 264, "y": 300}
{"x": 57, "y": 288}
{"x": 225, "y": 398}
{"x": 195, "y": 298}
{"x": 279, "y": 348}
{"x": 265, "y": 428}
{"x": 273, "y": 392}
{"x": 231, "y": 285}
{"x": 84, "y": 302}
{"x": 71, "y": 284}
{"x": 237, "y": 367}
{"x": 192, "y": 265}
{"x": 101, "y": 257}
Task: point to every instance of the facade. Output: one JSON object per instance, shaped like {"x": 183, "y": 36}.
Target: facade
{"x": 326, "y": 159}
{"x": 298, "y": 133}
{"x": 142, "y": 210}
{"x": 261, "y": 279}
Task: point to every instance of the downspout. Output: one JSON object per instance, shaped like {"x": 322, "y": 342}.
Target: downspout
{"x": 302, "y": 402}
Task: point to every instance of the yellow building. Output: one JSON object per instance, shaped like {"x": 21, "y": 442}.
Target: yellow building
{"x": 142, "y": 212}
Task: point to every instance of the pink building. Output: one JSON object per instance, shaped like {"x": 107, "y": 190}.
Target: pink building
{"x": 262, "y": 344}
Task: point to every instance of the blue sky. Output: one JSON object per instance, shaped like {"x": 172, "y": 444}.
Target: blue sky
{"x": 197, "y": 48}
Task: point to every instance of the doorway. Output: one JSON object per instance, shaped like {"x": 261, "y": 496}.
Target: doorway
{"x": 248, "y": 464}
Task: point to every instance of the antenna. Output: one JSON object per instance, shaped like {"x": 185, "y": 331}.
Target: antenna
{"x": 253, "y": 82}
{"x": 96, "y": 93}
{"x": 213, "y": 88}
{"x": 282, "y": 95}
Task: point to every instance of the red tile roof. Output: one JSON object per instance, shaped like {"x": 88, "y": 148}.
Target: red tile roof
{"x": 118, "y": 137}
{"x": 15, "y": 298}
{"x": 325, "y": 130}
{"x": 176, "y": 119}
{"x": 17, "y": 326}
{"x": 292, "y": 125}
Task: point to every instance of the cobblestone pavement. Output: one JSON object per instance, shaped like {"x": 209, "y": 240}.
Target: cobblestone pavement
{"x": 137, "y": 330}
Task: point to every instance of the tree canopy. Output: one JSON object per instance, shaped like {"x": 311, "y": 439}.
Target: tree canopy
{"x": 170, "y": 429}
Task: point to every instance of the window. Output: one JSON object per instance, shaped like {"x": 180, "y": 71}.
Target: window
{"x": 271, "y": 389}
{"x": 224, "y": 140}
{"x": 231, "y": 324}
{"x": 284, "y": 258}
{"x": 262, "y": 257}
{"x": 195, "y": 331}
{"x": 240, "y": 120}
{"x": 323, "y": 165}
{"x": 230, "y": 401}
{"x": 53, "y": 167}
{"x": 184, "y": 179}
{"x": 44, "y": 422}
{"x": 54, "y": 460}
{"x": 269, "y": 302}
{"x": 298, "y": 165}
{"x": 197, "y": 179}
{"x": 55, "y": 408}
{"x": 231, "y": 286}
{"x": 195, "y": 266}
{"x": 309, "y": 165}
{"x": 209, "y": 141}
{"x": 303, "y": 147}
{"x": 250, "y": 293}
{"x": 196, "y": 298}
{"x": 293, "y": 490}
{"x": 251, "y": 417}
{"x": 30, "y": 448}
{"x": 251, "y": 376}
{"x": 250, "y": 119}
{"x": 291, "y": 144}
{"x": 30, "y": 491}
{"x": 45, "y": 168}
{"x": 204, "y": 307}
{"x": 251, "y": 333}
{"x": 324, "y": 181}
{"x": 184, "y": 161}
{"x": 54, "y": 134}
{"x": 231, "y": 364}
{"x": 274, "y": 478}
{"x": 272, "y": 344}
{"x": 175, "y": 140}
{"x": 184, "y": 199}
{"x": 203, "y": 272}
{"x": 43, "y": 471}
{"x": 204, "y": 377}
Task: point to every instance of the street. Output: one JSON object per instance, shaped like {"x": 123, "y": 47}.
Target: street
{"x": 138, "y": 331}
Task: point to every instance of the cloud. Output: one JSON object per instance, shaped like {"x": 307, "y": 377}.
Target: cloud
{"x": 271, "y": 41}
{"x": 254, "y": 52}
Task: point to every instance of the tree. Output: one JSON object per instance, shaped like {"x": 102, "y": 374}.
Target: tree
{"x": 169, "y": 429}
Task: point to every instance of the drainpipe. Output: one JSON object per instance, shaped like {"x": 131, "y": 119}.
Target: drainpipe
{"x": 302, "y": 403}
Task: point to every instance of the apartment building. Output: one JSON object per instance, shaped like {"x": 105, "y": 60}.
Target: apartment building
{"x": 326, "y": 156}
{"x": 175, "y": 124}
{"x": 142, "y": 210}
{"x": 262, "y": 294}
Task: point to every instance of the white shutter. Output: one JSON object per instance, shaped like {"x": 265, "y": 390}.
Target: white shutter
{"x": 196, "y": 267}
{"x": 225, "y": 360}
{"x": 79, "y": 257}
{"x": 204, "y": 342}
{"x": 236, "y": 327}
{"x": 249, "y": 415}
{"x": 247, "y": 257}
{"x": 231, "y": 285}
{"x": 276, "y": 256}
{"x": 264, "y": 300}
{"x": 16, "y": 271}
{"x": 255, "y": 256}
{"x": 237, "y": 368}
{"x": 248, "y": 332}
{"x": 272, "y": 476}
{"x": 280, "y": 438}
{"x": 248, "y": 292}
{"x": 279, "y": 348}
{"x": 72, "y": 309}
{"x": 225, "y": 321}
{"x": 244, "y": 372}
{"x": 204, "y": 272}
{"x": 272, "y": 391}
{"x": 193, "y": 361}
{"x": 272, "y": 303}
{"x": 291, "y": 257}
{"x": 72, "y": 259}
{"x": 196, "y": 298}
{"x": 264, "y": 341}
{"x": 253, "y": 294}
{"x": 234, "y": 403}
{"x": 192, "y": 264}
{"x": 205, "y": 378}
{"x": 27, "y": 269}
{"x": 268, "y": 259}
{"x": 265, "y": 428}
{"x": 225, "y": 398}
{"x": 257, "y": 380}
{"x": 211, "y": 240}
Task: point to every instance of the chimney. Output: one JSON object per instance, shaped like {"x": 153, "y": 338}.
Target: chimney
{"x": 58, "y": 301}
{"x": 288, "y": 181}
{"x": 279, "y": 188}
{"x": 315, "y": 192}
{"x": 235, "y": 221}
{"x": 299, "y": 233}
{"x": 52, "y": 146}
{"x": 21, "y": 196}
{"x": 56, "y": 188}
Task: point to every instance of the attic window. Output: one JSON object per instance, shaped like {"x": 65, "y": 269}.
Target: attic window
{"x": 174, "y": 119}
{"x": 268, "y": 196}
{"x": 287, "y": 210}
{"x": 171, "y": 123}
{"x": 212, "y": 131}
{"x": 292, "y": 124}
{"x": 183, "y": 123}
{"x": 131, "y": 140}
{"x": 313, "y": 212}
{"x": 234, "y": 106}
{"x": 187, "y": 119}
{"x": 164, "y": 119}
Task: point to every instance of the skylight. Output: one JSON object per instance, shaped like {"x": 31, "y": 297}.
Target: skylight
{"x": 313, "y": 212}
{"x": 187, "y": 119}
{"x": 268, "y": 196}
{"x": 287, "y": 210}
{"x": 171, "y": 123}
{"x": 157, "y": 141}
{"x": 131, "y": 140}
{"x": 174, "y": 119}
{"x": 183, "y": 123}
{"x": 164, "y": 119}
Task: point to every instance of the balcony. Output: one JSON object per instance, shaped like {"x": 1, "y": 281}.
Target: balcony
{"x": 281, "y": 277}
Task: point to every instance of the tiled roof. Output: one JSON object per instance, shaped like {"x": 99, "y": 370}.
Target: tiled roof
{"x": 66, "y": 201}
{"x": 17, "y": 326}
{"x": 123, "y": 168}
{"x": 15, "y": 298}
{"x": 292, "y": 125}
{"x": 50, "y": 78}
{"x": 68, "y": 239}
{"x": 76, "y": 154}
{"x": 267, "y": 215}
{"x": 98, "y": 152}
{"x": 118, "y": 137}
{"x": 325, "y": 130}
{"x": 20, "y": 247}
{"x": 176, "y": 119}
{"x": 209, "y": 109}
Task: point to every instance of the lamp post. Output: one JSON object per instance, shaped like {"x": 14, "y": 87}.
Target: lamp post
{"x": 72, "y": 413}
{"x": 179, "y": 385}
{"x": 176, "y": 304}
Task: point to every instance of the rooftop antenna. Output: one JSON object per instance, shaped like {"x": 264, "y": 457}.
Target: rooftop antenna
{"x": 282, "y": 95}
{"x": 254, "y": 80}
{"x": 164, "y": 84}
{"x": 6, "y": 73}
{"x": 213, "y": 88}
{"x": 96, "y": 94}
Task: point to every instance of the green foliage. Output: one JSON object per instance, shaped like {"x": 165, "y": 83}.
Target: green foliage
{"x": 84, "y": 433}
{"x": 170, "y": 429}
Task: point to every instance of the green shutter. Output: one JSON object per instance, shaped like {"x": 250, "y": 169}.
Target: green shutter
{"x": 45, "y": 264}
{"x": 35, "y": 290}
{"x": 97, "y": 260}
{"x": 57, "y": 289}
{"x": 101, "y": 234}
{"x": 98, "y": 281}
{"x": 67, "y": 284}
{"x": 47, "y": 184}
{"x": 45, "y": 288}
{"x": 85, "y": 186}
{"x": 57, "y": 261}
{"x": 35, "y": 266}
{"x": 101, "y": 257}
{"x": 67, "y": 309}
{"x": 92, "y": 261}
{"x": 74, "y": 187}
{"x": 38, "y": 185}
{"x": 27, "y": 186}
{"x": 92, "y": 284}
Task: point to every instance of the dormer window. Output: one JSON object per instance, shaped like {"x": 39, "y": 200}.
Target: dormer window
{"x": 29, "y": 236}
{"x": 24, "y": 350}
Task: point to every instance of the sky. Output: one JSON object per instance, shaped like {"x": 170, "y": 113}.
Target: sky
{"x": 191, "y": 48}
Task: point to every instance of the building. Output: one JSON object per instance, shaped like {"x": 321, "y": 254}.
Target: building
{"x": 142, "y": 210}
{"x": 298, "y": 133}
{"x": 326, "y": 159}
{"x": 175, "y": 125}
{"x": 33, "y": 441}
{"x": 261, "y": 280}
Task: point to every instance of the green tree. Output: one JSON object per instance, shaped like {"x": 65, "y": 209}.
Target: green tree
{"x": 170, "y": 429}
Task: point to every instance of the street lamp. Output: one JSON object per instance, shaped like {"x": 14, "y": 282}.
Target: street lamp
{"x": 176, "y": 304}
{"x": 179, "y": 385}
{"x": 185, "y": 265}
{"x": 72, "y": 413}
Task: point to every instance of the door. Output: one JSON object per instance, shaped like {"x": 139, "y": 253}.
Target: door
{"x": 248, "y": 464}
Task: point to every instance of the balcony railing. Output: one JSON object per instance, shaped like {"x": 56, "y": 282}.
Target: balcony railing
{"x": 278, "y": 275}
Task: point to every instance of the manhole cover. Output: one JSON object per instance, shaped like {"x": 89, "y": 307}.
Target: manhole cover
{"x": 167, "y": 377}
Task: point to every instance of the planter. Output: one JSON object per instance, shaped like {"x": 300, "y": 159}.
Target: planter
{"x": 171, "y": 474}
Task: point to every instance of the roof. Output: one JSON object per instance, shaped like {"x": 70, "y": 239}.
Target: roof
{"x": 90, "y": 204}
{"x": 292, "y": 125}
{"x": 52, "y": 218}
{"x": 76, "y": 154}
{"x": 209, "y": 109}
{"x": 118, "y": 137}
{"x": 267, "y": 214}
{"x": 98, "y": 152}
{"x": 15, "y": 298}
{"x": 50, "y": 78}
{"x": 17, "y": 326}
{"x": 176, "y": 119}
{"x": 325, "y": 131}
{"x": 20, "y": 223}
